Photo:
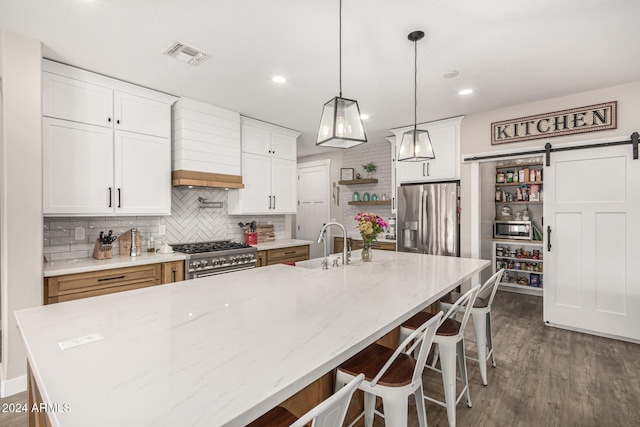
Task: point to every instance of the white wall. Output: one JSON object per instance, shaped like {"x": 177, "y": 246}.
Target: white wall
{"x": 476, "y": 136}
{"x": 20, "y": 197}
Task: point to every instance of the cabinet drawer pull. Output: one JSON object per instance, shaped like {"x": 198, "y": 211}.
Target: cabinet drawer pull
{"x": 290, "y": 252}
{"x": 110, "y": 278}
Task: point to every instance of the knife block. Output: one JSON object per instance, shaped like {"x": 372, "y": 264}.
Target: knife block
{"x": 101, "y": 251}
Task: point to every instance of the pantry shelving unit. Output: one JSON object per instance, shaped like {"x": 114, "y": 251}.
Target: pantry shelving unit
{"x": 521, "y": 259}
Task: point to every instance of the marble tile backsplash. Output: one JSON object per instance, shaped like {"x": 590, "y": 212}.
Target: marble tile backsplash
{"x": 187, "y": 223}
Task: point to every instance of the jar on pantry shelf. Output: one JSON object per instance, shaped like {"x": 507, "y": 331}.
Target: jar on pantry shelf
{"x": 498, "y": 195}
{"x": 532, "y": 175}
{"x": 509, "y": 176}
{"x": 499, "y": 251}
{"x": 500, "y": 177}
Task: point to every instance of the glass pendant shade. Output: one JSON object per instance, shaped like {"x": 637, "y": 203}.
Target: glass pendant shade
{"x": 416, "y": 146}
{"x": 340, "y": 124}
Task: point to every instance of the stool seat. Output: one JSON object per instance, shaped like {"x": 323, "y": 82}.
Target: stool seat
{"x": 277, "y": 417}
{"x": 373, "y": 358}
{"x": 448, "y": 328}
{"x": 452, "y": 297}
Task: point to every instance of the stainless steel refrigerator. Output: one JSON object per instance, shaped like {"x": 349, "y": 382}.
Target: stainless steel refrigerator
{"x": 428, "y": 220}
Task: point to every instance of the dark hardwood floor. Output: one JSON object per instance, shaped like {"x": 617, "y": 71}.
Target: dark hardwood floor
{"x": 545, "y": 377}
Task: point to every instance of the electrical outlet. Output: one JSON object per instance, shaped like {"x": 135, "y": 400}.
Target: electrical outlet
{"x": 162, "y": 229}
{"x": 79, "y": 234}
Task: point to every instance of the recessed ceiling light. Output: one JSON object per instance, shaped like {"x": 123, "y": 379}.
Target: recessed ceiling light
{"x": 466, "y": 91}
{"x": 450, "y": 74}
{"x": 279, "y": 79}
{"x": 364, "y": 116}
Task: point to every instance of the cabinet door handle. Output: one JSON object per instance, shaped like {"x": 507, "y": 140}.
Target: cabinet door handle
{"x": 548, "y": 239}
{"x": 109, "y": 196}
{"x": 110, "y": 278}
{"x": 269, "y": 202}
{"x": 423, "y": 174}
{"x": 274, "y": 202}
{"x": 119, "y": 199}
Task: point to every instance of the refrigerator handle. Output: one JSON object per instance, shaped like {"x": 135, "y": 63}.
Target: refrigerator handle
{"x": 422, "y": 226}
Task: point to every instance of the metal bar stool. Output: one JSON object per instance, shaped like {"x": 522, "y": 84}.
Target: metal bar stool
{"x": 450, "y": 340}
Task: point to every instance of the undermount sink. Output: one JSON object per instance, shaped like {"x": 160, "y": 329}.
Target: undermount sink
{"x": 317, "y": 262}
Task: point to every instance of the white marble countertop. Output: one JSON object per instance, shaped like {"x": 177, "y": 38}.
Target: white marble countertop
{"x": 281, "y": 243}
{"x": 83, "y": 265}
{"x": 222, "y": 350}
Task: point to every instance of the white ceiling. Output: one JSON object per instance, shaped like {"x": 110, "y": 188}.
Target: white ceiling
{"x": 509, "y": 52}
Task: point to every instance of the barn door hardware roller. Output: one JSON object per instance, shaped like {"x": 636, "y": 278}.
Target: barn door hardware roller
{"x": 634, "y": 142}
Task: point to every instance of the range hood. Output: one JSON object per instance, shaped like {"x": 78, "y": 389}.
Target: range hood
{"x": 205, "y": 146}
{"x": 205, "y": 179}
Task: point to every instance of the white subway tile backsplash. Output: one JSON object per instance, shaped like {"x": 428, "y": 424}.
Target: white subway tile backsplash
{"x": 56, "y": 233}
{"x": 187, "y": 223}
{"x": 66, "y": 240}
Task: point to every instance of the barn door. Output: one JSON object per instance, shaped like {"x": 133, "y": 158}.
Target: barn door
{"x": 592, "y": 241}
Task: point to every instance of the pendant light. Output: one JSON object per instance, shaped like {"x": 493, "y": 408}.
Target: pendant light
{"x": 340, "y": 124}
{"x": 416, "y": 144}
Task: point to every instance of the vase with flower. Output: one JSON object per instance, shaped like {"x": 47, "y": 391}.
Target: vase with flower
{"x": 369, "y": 225}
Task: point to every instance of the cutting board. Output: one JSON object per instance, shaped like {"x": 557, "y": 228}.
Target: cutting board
{"x": 266, "y": 233}
{"x": 125, "y": 243}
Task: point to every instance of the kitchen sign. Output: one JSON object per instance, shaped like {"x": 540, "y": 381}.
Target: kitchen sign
{"x": 576, "y": 120}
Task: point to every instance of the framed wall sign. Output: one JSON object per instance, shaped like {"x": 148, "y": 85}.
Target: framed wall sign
{"x": 346, "y": 174}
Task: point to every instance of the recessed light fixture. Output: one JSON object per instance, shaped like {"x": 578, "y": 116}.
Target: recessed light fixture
{"x": 450, "y": 74}
{"x": 279, "y": 79}
{"x": 466, "y": 91}
{"x": 364, "y": 116}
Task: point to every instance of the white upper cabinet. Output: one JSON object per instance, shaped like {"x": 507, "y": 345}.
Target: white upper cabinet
{"x": 76, "y": 100}
{"x": 106, "y": 145}
{"x": 142, "y": 170}
{"x": 78, "y": 168}
{"x": 445, "y": 138}
{"x": 268, "y": 170}
{"x": 141, "y": 115}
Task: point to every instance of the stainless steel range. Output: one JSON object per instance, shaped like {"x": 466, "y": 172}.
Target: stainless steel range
{"x": 211, "y": 258}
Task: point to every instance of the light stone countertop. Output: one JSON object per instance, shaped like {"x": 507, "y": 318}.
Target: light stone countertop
{"x": 83, "y": 265}
{"x": 281, "y": 243}
{"x": 222, "y": 350}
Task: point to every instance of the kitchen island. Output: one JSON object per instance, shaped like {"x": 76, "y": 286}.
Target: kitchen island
{"x": 221, "y": 350}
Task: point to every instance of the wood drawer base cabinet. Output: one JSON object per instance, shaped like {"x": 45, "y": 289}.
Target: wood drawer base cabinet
{"x": 282, "y": 255}
{"x": 71, "y": 287}
{"x": 358, "y": 244}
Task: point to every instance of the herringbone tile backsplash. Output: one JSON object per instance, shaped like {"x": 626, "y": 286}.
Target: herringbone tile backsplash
{"x": 187, "y": 223}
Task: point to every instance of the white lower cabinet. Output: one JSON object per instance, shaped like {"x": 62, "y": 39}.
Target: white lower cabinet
{"x": 89, "y": 170}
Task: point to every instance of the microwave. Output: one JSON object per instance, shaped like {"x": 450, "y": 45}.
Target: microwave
{"x": 521, "y": 230}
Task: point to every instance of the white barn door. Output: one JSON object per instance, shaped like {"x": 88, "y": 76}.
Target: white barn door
{"x": 592, "y": 208}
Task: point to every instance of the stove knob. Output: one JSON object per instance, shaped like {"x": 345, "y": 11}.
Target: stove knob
{"x": 196, "y": 264}
{"x": 204, "y": 263}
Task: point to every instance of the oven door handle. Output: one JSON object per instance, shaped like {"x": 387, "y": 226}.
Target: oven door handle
{"x": 196, "y": 275}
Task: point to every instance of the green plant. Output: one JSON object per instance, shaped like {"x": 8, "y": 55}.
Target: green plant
{"x": 370, "y": 167}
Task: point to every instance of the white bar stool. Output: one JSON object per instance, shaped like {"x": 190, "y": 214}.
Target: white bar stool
{"x": 330, "y": 413}
{"x": 392, "y": 375}
{"x": 450, "y": 340}
{"x": 481, "y": 314}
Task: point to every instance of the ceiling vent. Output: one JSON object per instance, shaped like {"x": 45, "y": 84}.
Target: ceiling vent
{"x": 187, "y": 54}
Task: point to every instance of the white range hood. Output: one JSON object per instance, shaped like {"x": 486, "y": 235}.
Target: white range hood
{"x": 205, "y": 145}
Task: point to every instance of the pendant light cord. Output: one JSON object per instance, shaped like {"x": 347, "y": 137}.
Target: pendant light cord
{"x": 415, "y": 86}
{"x": 340, "y": 49}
